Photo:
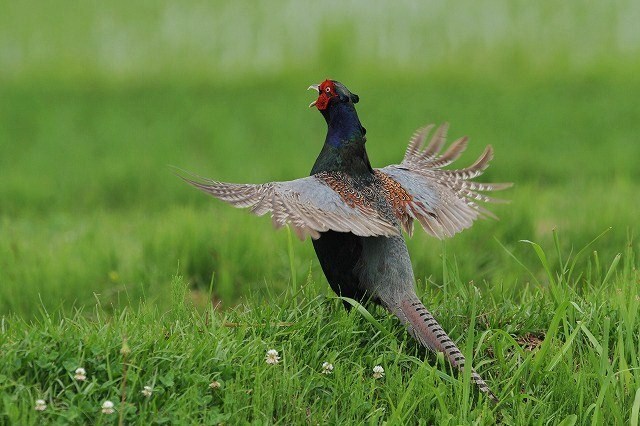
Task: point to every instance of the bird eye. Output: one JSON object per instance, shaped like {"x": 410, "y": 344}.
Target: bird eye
{"x": 327, "y": 89}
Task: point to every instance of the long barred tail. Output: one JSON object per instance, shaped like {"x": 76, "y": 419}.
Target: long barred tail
{"x": 429, "y": 333}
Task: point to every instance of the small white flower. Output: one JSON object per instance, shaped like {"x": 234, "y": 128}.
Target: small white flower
{"x": 378, "y": 372}
{"x": 147, "y": 391}
{"x": 327, "y": 368}
{"x": 41, "y": 405}
{"x": 214, "y": 385}
{"x": 272, "y": 357}
{"x": 107, "y": 407}
{"x": 81, "y": 374}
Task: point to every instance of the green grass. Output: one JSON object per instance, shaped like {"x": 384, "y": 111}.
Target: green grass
{"x": 95, "y": 230}
{"x": 586, "y": 370}
{"x": 89, "y": 209}
{"x": 89, "y": 205}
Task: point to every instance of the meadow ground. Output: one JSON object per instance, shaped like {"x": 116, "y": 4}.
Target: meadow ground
{"x": 92, "y": 215}
{"x": 110, "y": 263}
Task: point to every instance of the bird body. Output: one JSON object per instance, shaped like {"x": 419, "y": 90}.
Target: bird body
{"x": 356, "y": 214}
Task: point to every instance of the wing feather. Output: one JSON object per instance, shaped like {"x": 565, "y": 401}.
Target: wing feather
{"x": 437, "y": 142}
{"x": 444, "y": 202}
{"x": 416, "y": 143}
{"x": 308, "y": 205}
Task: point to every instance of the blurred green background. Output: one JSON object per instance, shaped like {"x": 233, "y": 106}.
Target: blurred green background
{"x": 98, "y": 98}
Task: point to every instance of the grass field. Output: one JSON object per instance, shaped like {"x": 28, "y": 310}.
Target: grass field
{"x": 102, "y": 246}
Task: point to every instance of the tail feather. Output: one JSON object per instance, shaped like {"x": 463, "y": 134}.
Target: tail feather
{"x": 423, "y": 326}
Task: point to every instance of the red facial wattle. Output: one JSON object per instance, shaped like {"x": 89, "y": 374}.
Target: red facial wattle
{"x": 322, "y": 102}
{"x": 326, "y": 90}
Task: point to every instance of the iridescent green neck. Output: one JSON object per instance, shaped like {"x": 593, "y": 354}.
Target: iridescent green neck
{"x": 344, "y": 147}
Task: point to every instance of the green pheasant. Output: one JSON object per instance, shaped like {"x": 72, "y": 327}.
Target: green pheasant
{"x": 355, "y": 214}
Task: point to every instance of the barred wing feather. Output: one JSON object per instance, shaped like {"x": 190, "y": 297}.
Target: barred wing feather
{"x": 308, "y": 205}
{"x": 444, "y": 201}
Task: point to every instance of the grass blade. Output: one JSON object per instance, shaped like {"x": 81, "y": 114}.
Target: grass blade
{"x": 577, "y": 256}
{"x": 367, "y": 315}
{"x": 612, "y": 268}
{"x": 570, "y": 420}
{"x": 294, "y": 280}
{"x": 564, "y": 349}
{"x": 635, "y": 410}
{"x": 550, "y": 335}
{"x": 513, "y": 256}
{"x": 592, "y": 339}
{"x": 543, "y": 259}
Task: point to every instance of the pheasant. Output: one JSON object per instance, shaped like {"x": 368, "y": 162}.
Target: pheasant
{"x": 355, "y": 214}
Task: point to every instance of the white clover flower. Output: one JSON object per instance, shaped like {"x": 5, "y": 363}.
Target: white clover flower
{"x": 107, "y": 407}
{"x": 327, "y": 368}
{"x": 215, "y": 384}
{"x": 147, "y": 391}
{"x": 41, "y": 405}
{"x": 378, "y": 372}
{"x": 81, "y": 374}
{"x": 272, "y": 357}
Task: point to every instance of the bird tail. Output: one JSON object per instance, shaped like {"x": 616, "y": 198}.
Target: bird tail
{"x": 430, "y": 334}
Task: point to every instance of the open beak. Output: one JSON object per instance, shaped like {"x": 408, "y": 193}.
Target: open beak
{"x": 315, "y": 87}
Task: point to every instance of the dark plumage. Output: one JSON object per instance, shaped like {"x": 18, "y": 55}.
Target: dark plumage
{"x": 356, "y": 214}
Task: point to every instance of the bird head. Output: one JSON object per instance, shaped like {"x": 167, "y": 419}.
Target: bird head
{"x": 332, "y": 92}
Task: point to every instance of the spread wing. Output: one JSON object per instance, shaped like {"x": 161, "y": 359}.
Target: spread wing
{"x": 308, "y": 205}
{"x": 443, "y": 201}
